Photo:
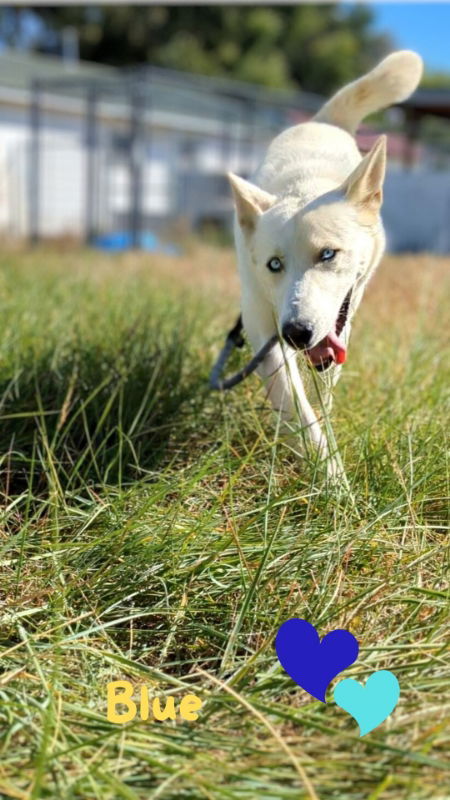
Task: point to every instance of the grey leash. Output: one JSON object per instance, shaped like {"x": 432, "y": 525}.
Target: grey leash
{"x": 235, "y": 339}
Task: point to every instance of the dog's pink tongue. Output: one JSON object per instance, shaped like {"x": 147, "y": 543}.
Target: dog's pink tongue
{"x": 329, "y": 347}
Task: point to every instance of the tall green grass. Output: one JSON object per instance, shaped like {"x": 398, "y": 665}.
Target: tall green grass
{"x": 156, "y": 532}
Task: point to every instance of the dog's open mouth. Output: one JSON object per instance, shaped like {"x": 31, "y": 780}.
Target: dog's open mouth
{"x": 330, "y": 350}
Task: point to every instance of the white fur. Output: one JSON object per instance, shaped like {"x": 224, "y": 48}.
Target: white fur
{"x": 313, "y": 191}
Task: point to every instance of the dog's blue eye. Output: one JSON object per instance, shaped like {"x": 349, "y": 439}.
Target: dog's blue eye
{"x": 327, "y": 254}
{"x": 275, "y": 264}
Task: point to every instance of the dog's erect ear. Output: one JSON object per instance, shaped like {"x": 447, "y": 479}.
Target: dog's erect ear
{"x": 364, "y": 186}
{"x": 250, "y": 200}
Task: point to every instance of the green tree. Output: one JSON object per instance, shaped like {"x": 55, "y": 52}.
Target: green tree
{"x": 315, "y": 47}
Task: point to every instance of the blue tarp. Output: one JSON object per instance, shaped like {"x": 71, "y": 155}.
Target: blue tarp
{"x": 123, "y": 240}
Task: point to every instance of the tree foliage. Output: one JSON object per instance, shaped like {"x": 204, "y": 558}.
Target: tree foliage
{"x": 314, "y": 47}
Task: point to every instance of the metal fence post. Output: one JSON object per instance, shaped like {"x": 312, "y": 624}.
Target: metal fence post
{"x": 412, "y": 128}
{"x": 91, "y": 164}
{"x": 134, "y": 166}
{"x": 34, "y": 164}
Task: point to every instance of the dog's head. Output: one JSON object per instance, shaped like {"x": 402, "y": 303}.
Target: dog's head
{"x": 309, "y": 258}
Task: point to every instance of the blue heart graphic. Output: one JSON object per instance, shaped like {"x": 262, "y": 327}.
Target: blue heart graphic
{"x": 371, "y": 704}
{"x": 310, "y": 662}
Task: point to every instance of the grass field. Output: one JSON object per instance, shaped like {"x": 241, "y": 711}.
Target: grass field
{"x": 156, "y": 532}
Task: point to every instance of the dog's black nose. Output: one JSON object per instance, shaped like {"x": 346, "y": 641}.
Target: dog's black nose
{"x": 297, "y": 335}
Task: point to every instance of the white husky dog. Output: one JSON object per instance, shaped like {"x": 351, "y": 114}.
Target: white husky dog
{"x": 309, "y": 236}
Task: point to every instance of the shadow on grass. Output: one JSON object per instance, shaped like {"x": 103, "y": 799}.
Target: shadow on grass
{"x": 96, "y": 416}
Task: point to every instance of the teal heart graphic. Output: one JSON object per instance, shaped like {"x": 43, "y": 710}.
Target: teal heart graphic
{"x": 371, "y": 704}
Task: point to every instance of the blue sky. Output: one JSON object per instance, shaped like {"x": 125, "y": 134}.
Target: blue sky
{"x": 424, "y": 27}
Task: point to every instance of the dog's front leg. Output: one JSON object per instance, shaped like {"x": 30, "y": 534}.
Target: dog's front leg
{"x": 287, "y": 394}
{"x": 327, "y": 394}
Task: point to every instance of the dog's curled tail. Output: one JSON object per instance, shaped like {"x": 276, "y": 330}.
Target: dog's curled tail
{"x": 391, "y": 81}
